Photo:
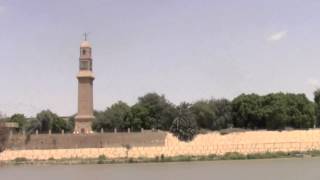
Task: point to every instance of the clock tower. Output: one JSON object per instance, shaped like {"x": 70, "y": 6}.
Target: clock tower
{"x": 84, "y": 117}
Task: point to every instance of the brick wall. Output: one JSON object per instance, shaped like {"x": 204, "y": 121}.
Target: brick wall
{"x": 72, "y": 141}
{"x": 211, "y": 143}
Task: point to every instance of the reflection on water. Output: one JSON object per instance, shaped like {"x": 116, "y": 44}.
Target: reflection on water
{"x": 247, "y": 170}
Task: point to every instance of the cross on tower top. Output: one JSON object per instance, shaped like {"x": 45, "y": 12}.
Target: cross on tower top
{"x": 85, "y": 35}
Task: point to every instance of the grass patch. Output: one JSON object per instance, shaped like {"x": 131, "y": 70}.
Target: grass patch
{"x": 231, "y": 130}
{"x": 233, "y": 156}
{"x": 314, "y": 153}
{"x": 102, "y": 159}
{"x": 267, "y": 155}
{"x": 20, "y": 159}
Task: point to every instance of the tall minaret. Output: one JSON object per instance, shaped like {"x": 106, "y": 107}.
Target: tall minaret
{"x": 84, "y": 117}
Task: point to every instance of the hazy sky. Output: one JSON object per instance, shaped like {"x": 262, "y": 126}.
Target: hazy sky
{"x": 185, "y": 49}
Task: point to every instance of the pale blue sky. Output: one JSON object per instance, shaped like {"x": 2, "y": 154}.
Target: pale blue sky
{"x": 185, "y": 49}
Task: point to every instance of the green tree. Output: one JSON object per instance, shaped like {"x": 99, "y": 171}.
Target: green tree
{"x": 113, "y": 117}
{"x": 184, "y": 126}
{"x": 204, "y": 112}
{"x": 223, "y": 112}
{"x": 301, "y": 111}
{"x": 100, "y": 121}
{"x": 139, "y": 118}
{"x": 118, "y": 113}
{"x": 59, "y": 124}
{"x": 288, "y": 110}
{"x": 33, "y": 125}
{"x": 70, "y": 123}
{"x": 20, "y": 119}
{"x": 51, "y": 121}
{"x": 214, "y": 114}
{"x": 317, "y": 106}
{"x": 153, "y": 111}
{"x": 273, "y": 111}
{"x": 247, "y": 111}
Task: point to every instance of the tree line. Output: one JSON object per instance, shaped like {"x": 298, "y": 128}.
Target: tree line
{"x": 275, "y": 111}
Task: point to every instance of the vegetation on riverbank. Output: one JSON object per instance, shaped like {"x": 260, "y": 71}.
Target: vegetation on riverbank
{"x": 275, "y": 111}
{"x": 102, "y": 159}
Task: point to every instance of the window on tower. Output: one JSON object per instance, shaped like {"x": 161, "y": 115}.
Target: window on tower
{"x": 84, "y": 65}
{"x": 83, "y": 52}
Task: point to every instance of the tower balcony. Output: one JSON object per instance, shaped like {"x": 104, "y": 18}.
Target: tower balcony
{"x": 85, "y": 74}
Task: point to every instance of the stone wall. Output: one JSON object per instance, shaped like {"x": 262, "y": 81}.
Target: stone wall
{"x": 75, "y": 141}
{"x": 212, "y": 143}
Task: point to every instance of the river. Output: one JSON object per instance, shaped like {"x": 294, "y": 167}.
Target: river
{"x": 281, "y": 169}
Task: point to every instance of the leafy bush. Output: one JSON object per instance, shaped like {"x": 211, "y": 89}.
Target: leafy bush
{"x": 184, "y": 126}
{"x": 102, "y": 159}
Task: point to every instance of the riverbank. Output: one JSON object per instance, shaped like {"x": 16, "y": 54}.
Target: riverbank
{"x": 205, "y": 147}
{"x": 102, "y": 159}
{"x": 251, "y": 142}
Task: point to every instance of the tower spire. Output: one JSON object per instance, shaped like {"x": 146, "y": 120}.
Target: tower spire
{"x": 85, "y": 34}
